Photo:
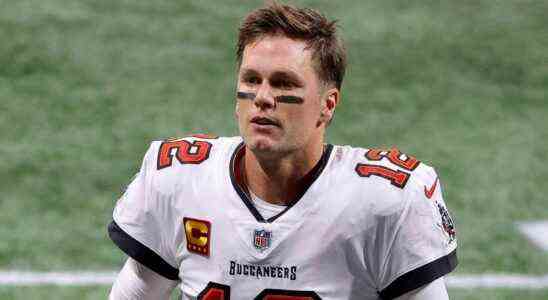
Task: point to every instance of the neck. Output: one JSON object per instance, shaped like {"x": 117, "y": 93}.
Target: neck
{"x": 279, "y": 180}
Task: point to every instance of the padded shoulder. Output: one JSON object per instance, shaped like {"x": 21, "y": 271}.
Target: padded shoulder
{"x": 386, "y": 179}
{"x": 174, "y": 161}
{"x": 400, "y": 169}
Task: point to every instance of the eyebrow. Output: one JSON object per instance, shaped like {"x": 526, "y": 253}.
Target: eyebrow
{"x": 289, "y": 74}
{"x": 249, "y": 72}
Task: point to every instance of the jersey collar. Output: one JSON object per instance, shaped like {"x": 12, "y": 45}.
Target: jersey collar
{"x": 243, "y": 192}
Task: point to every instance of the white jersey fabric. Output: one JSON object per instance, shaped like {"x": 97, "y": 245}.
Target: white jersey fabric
{"x": 267, "y": 210}
{"x": 366, "y": 228}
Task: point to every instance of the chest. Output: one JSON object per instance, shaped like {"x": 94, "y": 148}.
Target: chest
{"x": 314, "y": 248}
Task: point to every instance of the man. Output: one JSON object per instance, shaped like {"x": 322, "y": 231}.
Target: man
{"x": 277, "y": 213}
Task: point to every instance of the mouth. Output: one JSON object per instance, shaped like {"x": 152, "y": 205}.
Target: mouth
{"x": 264, "y": 121}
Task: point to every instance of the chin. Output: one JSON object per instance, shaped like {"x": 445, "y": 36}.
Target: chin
{"x": 262, "y": 145}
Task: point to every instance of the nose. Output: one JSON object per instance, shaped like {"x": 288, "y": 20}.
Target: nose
{"x": 265, "y": 99}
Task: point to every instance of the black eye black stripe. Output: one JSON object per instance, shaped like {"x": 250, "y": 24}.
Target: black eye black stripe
{"x": 289, "y": 99}
{"x": 281, "y": 99}
{"x": 246, "y": 96}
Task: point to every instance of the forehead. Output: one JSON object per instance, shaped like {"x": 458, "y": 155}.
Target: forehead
{"x": 277, "y": 53}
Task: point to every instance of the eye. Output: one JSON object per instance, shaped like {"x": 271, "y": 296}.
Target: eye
{"x": 252, "y": 80}
{"x": 283, "y": 84}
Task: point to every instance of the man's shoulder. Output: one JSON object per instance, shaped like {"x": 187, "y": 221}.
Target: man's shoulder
{"x": 393, "y": 165}
{"x": 190, "y": 150}
{"x": 384, "y": 178}
{"x": 174, "y": 160}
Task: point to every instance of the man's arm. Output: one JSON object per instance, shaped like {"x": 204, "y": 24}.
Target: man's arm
{"x": 136, "y": 281}
{"x": 435, "y": 290}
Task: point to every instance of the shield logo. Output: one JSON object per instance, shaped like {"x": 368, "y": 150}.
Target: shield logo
{"x": 262, "y": 239}
{"x": 447, "y": 222}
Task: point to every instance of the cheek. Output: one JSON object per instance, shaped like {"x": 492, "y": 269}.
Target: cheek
{"x": 304, "y": 119}
{"x": 242, "y": 114}
{"x": 312, "y": 112}
{"x": 241, "y": 108}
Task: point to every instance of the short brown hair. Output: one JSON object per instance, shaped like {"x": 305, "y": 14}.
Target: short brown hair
{"x": 328, "y": 52}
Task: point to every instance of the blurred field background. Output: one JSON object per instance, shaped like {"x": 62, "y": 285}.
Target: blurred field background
{"x": 86, "y": 85}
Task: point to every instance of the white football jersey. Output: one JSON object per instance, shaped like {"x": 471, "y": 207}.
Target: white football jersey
{"x": 372, "y": 225}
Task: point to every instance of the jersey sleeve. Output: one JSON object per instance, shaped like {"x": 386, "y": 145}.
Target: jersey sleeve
{"x": 141, "y": 222}
{"x": 421, "y": 244}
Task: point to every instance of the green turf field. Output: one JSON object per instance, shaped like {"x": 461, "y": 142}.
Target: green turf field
{"x": 93, "y": 293}
{"x": 86, "y": 85}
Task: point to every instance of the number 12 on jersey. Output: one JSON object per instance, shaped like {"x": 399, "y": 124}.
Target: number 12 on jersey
{"x": 396, "y": 177}
{"x": 216, "y": 291}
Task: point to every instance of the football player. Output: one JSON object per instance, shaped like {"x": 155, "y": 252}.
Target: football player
{"x": 278, "y": 213}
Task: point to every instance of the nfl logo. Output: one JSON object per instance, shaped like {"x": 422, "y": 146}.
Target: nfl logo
{"x": 261, "y": 239}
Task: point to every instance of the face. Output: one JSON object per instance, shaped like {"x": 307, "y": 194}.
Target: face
{"x": 282, "y": 105}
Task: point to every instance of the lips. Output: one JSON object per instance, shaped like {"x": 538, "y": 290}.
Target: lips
{"x": 265, "y": 121}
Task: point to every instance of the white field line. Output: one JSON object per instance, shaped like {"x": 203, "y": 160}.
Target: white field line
{"x": 511, "y": 281}
{"x": 536, "y": 232}
{"x": 24, "y": 278}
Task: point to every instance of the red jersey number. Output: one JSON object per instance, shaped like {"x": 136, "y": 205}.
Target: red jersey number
{"x": 185, "y": 152}
{"x": 394, "y": 156}
{"x": 216, "y": 291}
{"x": 396, "y": 177}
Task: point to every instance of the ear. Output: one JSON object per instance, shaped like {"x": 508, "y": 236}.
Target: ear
{"x": 330, "y": 101}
